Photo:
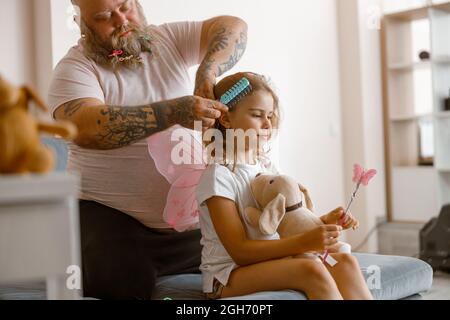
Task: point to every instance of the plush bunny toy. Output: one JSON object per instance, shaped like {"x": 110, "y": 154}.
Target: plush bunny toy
{"x": 21, "y": 150}
{"x": 284, "y": 207}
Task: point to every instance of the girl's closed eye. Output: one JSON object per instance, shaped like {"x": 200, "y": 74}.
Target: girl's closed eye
{"x": 260, "y": 115}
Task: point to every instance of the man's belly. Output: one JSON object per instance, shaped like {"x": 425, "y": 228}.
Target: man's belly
{"x": 125, "y": 179}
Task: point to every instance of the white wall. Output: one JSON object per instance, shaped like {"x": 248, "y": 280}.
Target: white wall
{"x": 54, "y": 36}
{"x": 65, "y": 33}
{"x": 16, "y": 34}
{"x": 26, "y": 28}
{"x": 362, "y": 112}
{"x": 44, "y": 45}
{"x": 295, "y": 43}
{"x": 373, "y": 108}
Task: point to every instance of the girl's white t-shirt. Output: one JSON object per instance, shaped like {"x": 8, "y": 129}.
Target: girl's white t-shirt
{"x": 221, "y": 181}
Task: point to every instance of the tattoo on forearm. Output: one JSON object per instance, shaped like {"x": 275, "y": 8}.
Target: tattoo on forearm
{"x": 180, "y": 111}
{"x": 123, "y": 126}
{"x": 239, "y": 49}
{"x": 204, "y": 70}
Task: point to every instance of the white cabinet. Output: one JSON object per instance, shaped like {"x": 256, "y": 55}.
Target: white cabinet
{"x": 417, "y": 126}
{"x": 39, "y": 231}
{"x": 391, "y": 6}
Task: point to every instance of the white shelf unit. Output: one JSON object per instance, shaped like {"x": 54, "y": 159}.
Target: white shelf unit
{"x": 415, "y": 120}
{"x": 39, "y": 231}
{"x": 396, "y": 6}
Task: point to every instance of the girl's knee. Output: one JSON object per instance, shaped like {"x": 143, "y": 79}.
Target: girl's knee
{"x": 316, "y": 271}
{"x": 347, "y": 259}
{"x": 318, "y": 283}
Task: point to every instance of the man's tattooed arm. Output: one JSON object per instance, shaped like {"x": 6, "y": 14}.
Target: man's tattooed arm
{"x": 110, "y": 127}
{"x": 226, "y": 44}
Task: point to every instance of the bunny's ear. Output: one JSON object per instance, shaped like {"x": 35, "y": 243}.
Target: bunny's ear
{"x": 272, "y": 215}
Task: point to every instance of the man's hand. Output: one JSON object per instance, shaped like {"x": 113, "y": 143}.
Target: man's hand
{"x": 207, "y": 111}
{"x": 335, "y": 217}
{"x": 204, "y": 86}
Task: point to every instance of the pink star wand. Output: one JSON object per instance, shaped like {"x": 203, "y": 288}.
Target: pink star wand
{"x": 360, "y": 176}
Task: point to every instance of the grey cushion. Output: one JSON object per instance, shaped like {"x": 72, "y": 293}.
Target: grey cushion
{"x": 401, "y": 277}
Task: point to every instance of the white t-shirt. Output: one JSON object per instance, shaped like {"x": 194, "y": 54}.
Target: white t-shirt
{"x": 126, "y": 179}
{"x": 221, "y": 181}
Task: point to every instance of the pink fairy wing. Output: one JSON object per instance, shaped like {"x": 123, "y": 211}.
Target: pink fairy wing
{"x": 181, "y": 210}
{"x": 189, "y": 178}
{"x": 162, "y": 149}
{"x": 367, "y": 176}
{"x": 357, "y": 173}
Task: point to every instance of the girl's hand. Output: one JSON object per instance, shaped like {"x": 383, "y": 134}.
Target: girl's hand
{"x": 337, "y": 217}
{"x": 321, "y": 238}
{"x": 349, "y": 222}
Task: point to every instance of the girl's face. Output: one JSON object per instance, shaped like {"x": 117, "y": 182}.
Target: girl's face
{"x": 253, "y": 112}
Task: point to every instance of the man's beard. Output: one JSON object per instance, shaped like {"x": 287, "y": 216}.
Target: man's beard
{"x": 118, "y": 50}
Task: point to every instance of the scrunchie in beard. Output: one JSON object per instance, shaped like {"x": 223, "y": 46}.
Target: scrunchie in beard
{"x": 131, "y": 40}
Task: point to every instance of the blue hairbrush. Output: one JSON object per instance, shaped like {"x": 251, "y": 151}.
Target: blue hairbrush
{"x": 241, "y": 89}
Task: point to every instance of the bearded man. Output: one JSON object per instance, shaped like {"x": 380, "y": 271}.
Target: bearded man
{"x": 125, "y": 81}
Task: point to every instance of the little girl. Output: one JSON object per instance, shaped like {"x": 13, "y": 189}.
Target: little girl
{"x": 236, "y": 258}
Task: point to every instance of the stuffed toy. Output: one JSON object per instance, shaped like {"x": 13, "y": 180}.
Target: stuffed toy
{"x": 284, "y": 207}
{"x": 21, "y": 150}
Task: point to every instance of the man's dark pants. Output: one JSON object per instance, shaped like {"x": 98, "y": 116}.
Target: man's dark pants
{"x": 122, "y": 258}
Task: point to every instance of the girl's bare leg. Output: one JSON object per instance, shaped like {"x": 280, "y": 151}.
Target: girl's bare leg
{"x": 306, "y": 275}
{"x": 349, "y": 278}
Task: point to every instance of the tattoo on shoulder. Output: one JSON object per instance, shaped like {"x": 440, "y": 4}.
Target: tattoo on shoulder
{"x": 220, "y": 41}
{"x": 72, "y": 107}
